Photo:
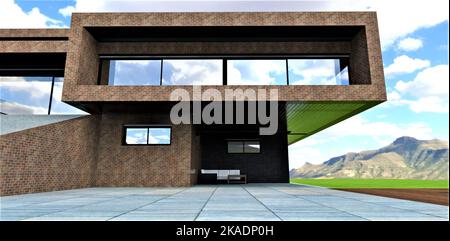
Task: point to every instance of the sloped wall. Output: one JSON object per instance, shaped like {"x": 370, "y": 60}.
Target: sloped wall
{"x": 48, "y": 158}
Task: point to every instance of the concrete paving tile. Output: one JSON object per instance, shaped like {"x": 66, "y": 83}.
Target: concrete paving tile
{"x": 237, "y": 216}
{"x": 72, "y": 213}
{"x": 437, "y": 213}
{"x": 150, "y": 216}
{"x": 213, "y": 202}
{"x": 43, "y": 218}
{"x": 429, "y": 218}
{"x": 12, "y": 218}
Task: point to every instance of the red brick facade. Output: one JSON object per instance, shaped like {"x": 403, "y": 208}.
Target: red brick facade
{"x": 48, "y": 158}
{"x": 87, "y": 152}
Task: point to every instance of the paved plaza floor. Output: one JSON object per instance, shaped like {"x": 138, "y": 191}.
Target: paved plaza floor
{"x": 215, "y": 202}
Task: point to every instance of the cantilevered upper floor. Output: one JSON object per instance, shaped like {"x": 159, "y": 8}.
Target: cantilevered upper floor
{"x": 326, "y": 66}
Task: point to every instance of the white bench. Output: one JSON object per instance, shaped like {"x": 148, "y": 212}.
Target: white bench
{"x": 221, "y": 174}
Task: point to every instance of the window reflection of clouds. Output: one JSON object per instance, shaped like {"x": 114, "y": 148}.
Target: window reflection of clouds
{"x": 159, "y": 136}
{"x": 136, "y": 136}
{"x": 59, "y": 107}
{"x": 25, "y": 95}
{"x": 256, "y": 72}
{"x": 317, "y": 72}
{"x": 192, "y": 72}
{"x": 31, "y": 95}
{"x": 134, "y": 72}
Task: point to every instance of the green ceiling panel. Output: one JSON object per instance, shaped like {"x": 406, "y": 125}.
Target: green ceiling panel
{"x": 307, "y": 118}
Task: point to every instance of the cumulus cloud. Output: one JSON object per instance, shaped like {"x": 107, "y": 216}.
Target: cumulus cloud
{"x": 428, "y": 92}
{"x": 67, "y": 11}
{"x": 13, "y": 16}
{"x": 432, "y": 81}
{"x": 405, "y": 65}
{"x": 410, "y": 44}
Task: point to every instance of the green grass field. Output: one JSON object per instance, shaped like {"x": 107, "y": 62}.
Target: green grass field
{"x": 372, "y": 183}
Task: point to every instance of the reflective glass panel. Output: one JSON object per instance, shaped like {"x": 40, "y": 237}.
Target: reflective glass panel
{"x": 192, "y": 72}
{"x": 317, "y": 72}
{"x": 136, "y": 136}
{"x": 25, "y": 95}
{"x": 159, "y": 136}
{"x": 252, "y": 147}
{"x": 58, "y": 107}
{"x": 256, "y": 72}
{"x": 134, "y": 72}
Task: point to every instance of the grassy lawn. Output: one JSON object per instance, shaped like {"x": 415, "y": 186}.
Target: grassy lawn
{"x": 372, "y": 183}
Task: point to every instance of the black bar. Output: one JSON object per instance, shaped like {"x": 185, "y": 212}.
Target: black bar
{"x": 161, "y": 72}
{"x": 51, "y": 95}
{"x": 99, "y": 74}
{"x": 224, "y": 71}
{"x": 215, "y": 56}
{"x": 287, "y": 72}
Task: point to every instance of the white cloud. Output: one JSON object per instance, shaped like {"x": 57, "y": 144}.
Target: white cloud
{"x": 432, "y": 81}
{"x": 429, "y": 104}
{"x": 67, "y": 11}
{"x": 405, "y": 65}
{"x": 410, "y": 44}
{"x": 12, "y": 16}
{"x": 430, "y": 88}
{"x": 399, "y": 18}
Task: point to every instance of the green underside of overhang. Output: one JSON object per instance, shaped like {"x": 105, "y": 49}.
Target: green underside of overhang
{"x": 307, "y": 118}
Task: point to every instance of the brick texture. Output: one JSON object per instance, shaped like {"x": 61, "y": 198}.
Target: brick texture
{"x": 48, "y": 158}
{"x": 158, "y": 165}
{"x": 83, "y": 51}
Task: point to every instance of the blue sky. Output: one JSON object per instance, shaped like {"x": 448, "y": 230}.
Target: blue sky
{"x": 414, "y": 37}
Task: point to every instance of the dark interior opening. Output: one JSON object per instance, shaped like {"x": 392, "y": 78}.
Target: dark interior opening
{"x": 32, "y": 64}
{"x": 223, "y": 33}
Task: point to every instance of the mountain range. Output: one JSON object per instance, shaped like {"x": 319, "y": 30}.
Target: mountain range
{"x": 405, "y": 158}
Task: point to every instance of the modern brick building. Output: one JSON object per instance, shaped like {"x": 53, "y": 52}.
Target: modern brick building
{"x": 121, "y": 68}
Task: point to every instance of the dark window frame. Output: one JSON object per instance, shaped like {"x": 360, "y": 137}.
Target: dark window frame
{"x": 243, "y": 146}
{"x": 148, "y": 127}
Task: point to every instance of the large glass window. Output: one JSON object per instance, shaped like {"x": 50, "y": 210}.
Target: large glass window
{"x": 317, "y": 72}
{"x": 192, "y": 72}
{"x": 32, "y": 95}
{"x": 256, "y": 72}
{"x": 178, "y": 71}
{"x": 134, "y": 72}
{"x": 140, "y": 135}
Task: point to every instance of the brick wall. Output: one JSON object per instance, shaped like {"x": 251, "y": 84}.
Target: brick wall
{"x": 142, "y": 166}
{"x": 48, "y": 158}
{"x": 87, "y": 152}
